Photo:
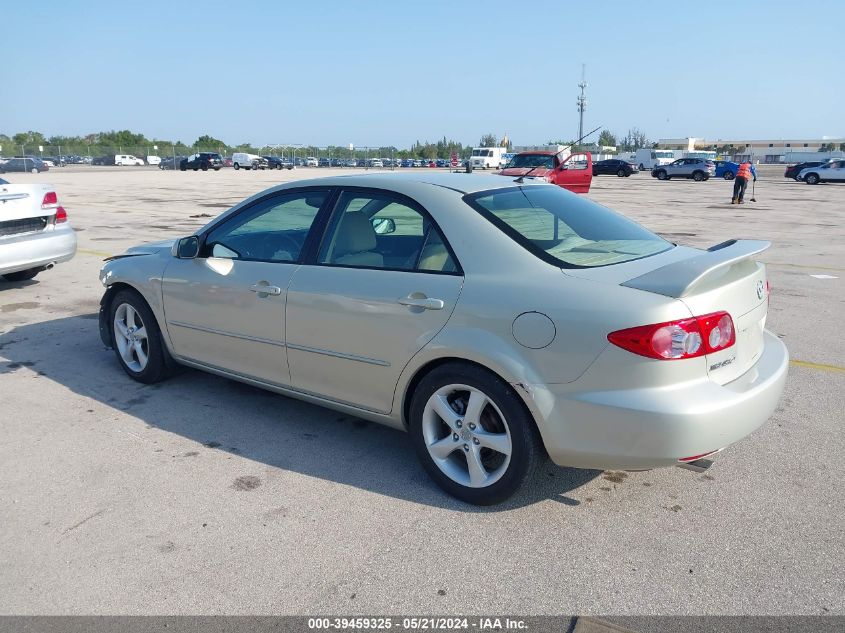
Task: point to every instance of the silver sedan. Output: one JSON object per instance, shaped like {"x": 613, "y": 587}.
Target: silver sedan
{"x": 497, "y": 321}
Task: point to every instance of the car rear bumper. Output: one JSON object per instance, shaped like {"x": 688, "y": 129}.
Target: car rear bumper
{"x": 34, "y": 250}
{"x": 653, "y": 427}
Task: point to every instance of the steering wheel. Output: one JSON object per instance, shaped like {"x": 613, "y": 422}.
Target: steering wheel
{"x": 276, "y": 242}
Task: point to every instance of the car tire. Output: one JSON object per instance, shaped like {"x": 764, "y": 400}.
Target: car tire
{"x": 662, "y": 175}
{"x": 621, "y": 173}
{"x": 502, "y": 420}
{"x": 182, "y": 168}
{"x": 216, "y": 169}
{"x": 236, "y": 166}
{"x": 698, "y": 176}
{"x": 128, "y": 308}
{"x": 642, "y": 167}
{"x": 22, "y": 275}
{"x": 728, "y": 175}
{"x": 812, "y": 179}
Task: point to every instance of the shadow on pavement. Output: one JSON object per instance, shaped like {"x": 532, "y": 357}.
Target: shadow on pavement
{"x": 255, "y": 424}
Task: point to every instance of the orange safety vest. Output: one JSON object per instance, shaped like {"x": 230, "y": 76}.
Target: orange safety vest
{"x": 744, "y": 171}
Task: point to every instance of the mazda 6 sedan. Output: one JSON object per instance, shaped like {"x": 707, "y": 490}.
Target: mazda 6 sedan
{"x": 496, "y": 320}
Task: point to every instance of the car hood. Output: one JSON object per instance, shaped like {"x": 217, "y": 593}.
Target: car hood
{"x": 151, "y": 248}
{"x": 521, "y": 171}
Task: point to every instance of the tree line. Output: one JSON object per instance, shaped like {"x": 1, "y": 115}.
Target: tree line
{"x": 126, "y": 141}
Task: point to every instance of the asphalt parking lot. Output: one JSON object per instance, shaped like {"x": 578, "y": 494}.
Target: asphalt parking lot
{"x": 204, "y": 496}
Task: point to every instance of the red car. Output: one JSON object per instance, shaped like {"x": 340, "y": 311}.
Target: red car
{"x": 575, "y": 172}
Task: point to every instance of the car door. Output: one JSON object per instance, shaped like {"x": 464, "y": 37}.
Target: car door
{"x": 575, "y": 173}
{"x": 226, "y": 307}
{"x": 837, "y": 171}
{"x": 382, "y": 285}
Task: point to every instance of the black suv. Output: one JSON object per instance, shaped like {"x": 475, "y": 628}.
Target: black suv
{"x": 202, "y": 160}
{"x": 274, "y": 162}
{"x": 613, "y": 166}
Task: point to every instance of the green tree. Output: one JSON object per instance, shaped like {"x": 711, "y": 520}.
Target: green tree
{"x": 209, "y": 142}
{"x": 606, "y": 138}
{"x": 488, "y": 140}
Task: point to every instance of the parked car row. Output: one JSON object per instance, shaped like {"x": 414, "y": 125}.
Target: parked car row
{"x": 23, "y": 164}
{"x": 817, "y": 171}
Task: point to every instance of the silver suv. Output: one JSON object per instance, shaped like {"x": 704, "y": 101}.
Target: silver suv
{"x": 695, "y": 168}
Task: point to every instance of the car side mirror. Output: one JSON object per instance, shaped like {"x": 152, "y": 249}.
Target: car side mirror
{"x": 383, "y": 226}
{"x": 187, "y": 247}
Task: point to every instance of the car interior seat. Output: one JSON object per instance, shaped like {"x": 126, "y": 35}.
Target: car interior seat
{"x": 355, "y": 242}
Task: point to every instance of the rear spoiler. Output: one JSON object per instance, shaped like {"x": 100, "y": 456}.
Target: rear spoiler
{"x": 679, "y": 278}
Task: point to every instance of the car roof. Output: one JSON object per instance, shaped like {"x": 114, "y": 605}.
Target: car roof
{"x": 405, "y": 183}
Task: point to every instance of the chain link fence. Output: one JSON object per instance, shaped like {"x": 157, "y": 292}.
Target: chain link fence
{"x": 293, "y": 155}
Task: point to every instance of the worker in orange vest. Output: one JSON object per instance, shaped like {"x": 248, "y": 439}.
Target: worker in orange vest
{"x": 745, "y": 173}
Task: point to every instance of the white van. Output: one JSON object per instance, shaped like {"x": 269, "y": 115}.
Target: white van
{"x": 488, "y": 157}
{"x": 127, "y": 159}
{"x": 651, "y": 158}
{"x": 153, "y": 160}
{"x": 248, "y": 161}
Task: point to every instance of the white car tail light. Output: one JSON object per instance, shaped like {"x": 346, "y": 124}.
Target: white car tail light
{"x": 50, "y": 200}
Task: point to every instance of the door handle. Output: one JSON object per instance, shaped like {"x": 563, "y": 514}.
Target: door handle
{"x": 422, "y": 302}
{"x": 265, "y": 289}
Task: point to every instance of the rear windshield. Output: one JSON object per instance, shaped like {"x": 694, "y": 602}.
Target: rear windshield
{"x": 532, "y": 160}
{"x": 565, "y": 229}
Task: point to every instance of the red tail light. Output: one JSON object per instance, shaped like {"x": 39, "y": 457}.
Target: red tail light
{"x": 674, "y": 340}
{"x": 50, "y": 200}
{"x": 61, "y": 216}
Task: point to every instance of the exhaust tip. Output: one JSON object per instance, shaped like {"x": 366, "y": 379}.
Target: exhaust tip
{"x": 697, "y": 466}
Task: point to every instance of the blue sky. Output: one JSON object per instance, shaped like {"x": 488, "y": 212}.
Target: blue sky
{"x": 378, "y": 73}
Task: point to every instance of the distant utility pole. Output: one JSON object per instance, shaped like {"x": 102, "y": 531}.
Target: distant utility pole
{"x": 582, "y": 101}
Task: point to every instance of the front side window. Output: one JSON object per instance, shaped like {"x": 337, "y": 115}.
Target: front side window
{"x": 375, "y": 230}
{"x": 272, "y": 230}
{"x": 565, "y": 229}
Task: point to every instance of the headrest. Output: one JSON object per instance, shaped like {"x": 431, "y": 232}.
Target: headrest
{"x": 355, "y": 235}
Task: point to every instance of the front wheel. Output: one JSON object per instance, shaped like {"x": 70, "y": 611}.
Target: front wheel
{"x": 621, "y": 173}
{"x": 236, "y": 166}
{"x": 136, "y": 339}
{"x": 34, "y": 170}
{"x": 728, "y": 176}
{"x": 812, "y": 179}
{"x": 473, "y": 434}
{"x": 205, "y": 167}
{"x": 22, "y": 275}
{"x": 642, "y": 167}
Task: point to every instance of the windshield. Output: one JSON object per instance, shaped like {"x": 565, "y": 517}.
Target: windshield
{"x": 531, "y": 160}
{"x": 565, "y": 229}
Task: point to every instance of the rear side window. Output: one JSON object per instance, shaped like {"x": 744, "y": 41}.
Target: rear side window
{"x": 565, "y": 229}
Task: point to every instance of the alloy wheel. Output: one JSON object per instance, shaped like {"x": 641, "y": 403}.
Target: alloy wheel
{"x": 130, "y": 337}
{"x": 467, "y": 436}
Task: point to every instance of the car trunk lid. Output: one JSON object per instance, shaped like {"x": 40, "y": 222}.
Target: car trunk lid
{"x": 21, "y": 209}
{"x": 725, "y": 277}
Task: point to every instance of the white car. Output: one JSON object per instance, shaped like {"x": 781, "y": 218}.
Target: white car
{"x": 48, "y": 162}
{"x": 311, "y": 161}
{"x": 832, "y": 171}
{"x": 127, "y": 159}
{"x": 377, "y": 162}
{"x": 35, "y": 234}
{"x": 153, "y": 160}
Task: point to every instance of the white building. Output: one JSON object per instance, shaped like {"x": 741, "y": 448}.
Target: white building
{"x": 768, "y": 151}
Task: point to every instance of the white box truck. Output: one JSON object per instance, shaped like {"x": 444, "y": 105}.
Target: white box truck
{"x": 488, "y": 157}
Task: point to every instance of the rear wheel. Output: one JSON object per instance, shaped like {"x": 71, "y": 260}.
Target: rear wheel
{"x": 812, "y": 179}
{"x": 473, "y": 434}
{"x": 136, "y": 339}
{"x": 642, "y": 167}
{"x": 205, "y": 167}
{"x": 22, "y": 275}
{"x": 728, "y": 175}
{"x": 698, "y": 176}
{"x": 34, "y": 170}
{"x": 662, "y": 175}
